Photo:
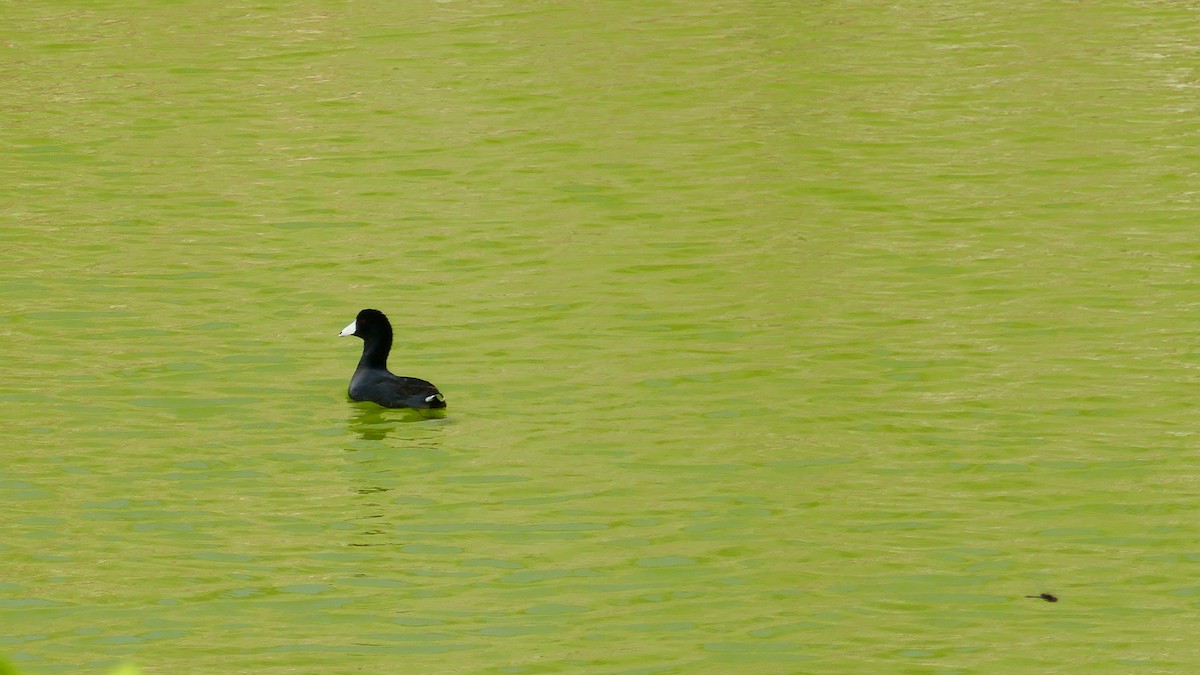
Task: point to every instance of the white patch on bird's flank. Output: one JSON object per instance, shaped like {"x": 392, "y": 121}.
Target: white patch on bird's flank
{"x": 349, "y": 330}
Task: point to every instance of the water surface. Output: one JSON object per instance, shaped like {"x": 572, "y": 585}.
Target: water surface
{"x": 776, "y": 337}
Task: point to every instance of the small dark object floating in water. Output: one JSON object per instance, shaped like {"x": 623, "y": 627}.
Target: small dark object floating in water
{"x": 1044, "y": 596}
{"x": 372, "y": 381}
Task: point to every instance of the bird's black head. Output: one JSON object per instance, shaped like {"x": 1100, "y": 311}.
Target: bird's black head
{"x": 368, "y": 322}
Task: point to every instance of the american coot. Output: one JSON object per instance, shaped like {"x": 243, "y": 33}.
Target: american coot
{"x": 372, "y": 381}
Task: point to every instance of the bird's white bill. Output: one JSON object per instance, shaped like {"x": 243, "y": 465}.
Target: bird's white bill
{"x": 349, "y": 330}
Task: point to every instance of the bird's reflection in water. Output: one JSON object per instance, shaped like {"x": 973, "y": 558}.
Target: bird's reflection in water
{"x": 382, "y": 463}
{"x": 373, "y": 423}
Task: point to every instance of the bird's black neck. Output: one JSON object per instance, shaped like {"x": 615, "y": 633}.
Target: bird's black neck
{"x": 375, "y": 350}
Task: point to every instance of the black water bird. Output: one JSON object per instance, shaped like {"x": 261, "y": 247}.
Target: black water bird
{"x": 1044, "y": 596}
{"x": 372, "y": 381}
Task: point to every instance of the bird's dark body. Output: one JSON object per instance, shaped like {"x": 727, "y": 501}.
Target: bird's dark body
{"x": 393, "y": 391}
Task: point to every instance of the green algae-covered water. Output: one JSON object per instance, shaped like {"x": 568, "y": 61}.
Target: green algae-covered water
{"x": 777, "y": 337}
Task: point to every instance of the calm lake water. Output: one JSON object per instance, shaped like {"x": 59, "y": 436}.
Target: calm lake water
{"x": 777, "y": 337}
